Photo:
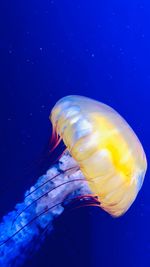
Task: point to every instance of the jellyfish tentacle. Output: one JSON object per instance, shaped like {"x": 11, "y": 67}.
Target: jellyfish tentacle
{"x": 83, "y": 201}
{"x": 55, "y": 145}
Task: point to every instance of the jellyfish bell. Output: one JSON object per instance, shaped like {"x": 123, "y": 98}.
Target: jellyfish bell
{"x": 106, "y": 149}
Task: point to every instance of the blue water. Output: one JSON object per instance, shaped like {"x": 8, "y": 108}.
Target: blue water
{"x": 49, "y": 49}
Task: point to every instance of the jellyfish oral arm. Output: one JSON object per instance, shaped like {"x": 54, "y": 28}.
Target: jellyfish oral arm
{"x": 42, "y": 203}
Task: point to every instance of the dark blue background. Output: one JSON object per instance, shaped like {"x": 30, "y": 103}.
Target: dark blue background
{"x": 49, "y": 49}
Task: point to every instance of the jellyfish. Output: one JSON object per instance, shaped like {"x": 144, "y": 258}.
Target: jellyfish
{"x": 103, "y": 164}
